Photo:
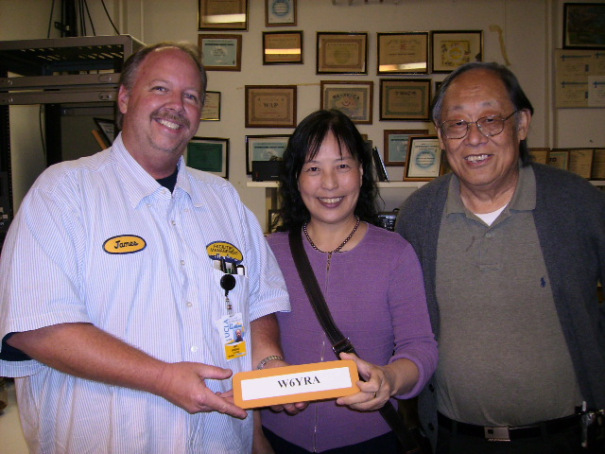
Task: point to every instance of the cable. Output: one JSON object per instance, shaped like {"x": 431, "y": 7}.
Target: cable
{"x": 42, "y": 132}
{"x": 82, "y": 18}
{"x": 69, "y": 19}
{"x": 50, "y": 19}
{"x": 109, "y": 17}
{"x": 92, "y": 25}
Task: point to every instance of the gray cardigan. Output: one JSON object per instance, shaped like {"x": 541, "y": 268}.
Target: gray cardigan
{"x": 570, "y": 220}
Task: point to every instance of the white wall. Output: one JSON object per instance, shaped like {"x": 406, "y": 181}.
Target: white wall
{"x": 531, "y": 29}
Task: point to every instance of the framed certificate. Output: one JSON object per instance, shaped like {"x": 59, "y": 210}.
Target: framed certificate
{"x": 273, "y": 221}
{"x": 580, "y": 161}
{"x": 584, "y": 25}
{"x": 223, "y": 14}
{"x": 270, "y": 106}
{"x": 342, "y": 53}
{"x": 107, "y": 128}
{"x": 437, "y": 86}
{"x": 264, "y": 148}
{"x": 396, "y": 142}
{"x": 454, "y": 48}
{"x": 354, "y": 99}
{"x": 210, "y": 154}
{"x": 280, "y": 12}
{"x": 212, "y": 106}
{"x": 221, "y": 52}
{"x": 403, "y": 53}
{"x": 559, "y": 159}
{"x": 282, "y": 48}
{"x": 539, "y": 155}
{"x": 405, "y": 99}
{"x": 423, "y": 158}
{"x": 598, "y": 164}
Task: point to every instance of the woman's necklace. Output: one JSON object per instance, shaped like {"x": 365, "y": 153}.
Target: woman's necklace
{"x": 347, "y": 239}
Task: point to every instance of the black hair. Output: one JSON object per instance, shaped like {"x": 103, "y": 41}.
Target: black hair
{"x": 513, "y": 87}
{"x": 130, "y": 69}
{"x": 303, "y": 145}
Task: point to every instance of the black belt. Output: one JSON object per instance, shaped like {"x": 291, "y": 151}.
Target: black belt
{"x": 505, "y": 433}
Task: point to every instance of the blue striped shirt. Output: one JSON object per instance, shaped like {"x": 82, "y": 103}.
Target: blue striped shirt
{"x": 162, "y": 296}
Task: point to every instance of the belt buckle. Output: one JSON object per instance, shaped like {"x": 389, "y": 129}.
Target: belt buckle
{"x": 497, "y": 433}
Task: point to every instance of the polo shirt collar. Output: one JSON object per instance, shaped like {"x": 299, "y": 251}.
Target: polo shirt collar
{"x": 524, "y": 198}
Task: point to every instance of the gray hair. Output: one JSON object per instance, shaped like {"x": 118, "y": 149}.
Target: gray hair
{"x": 513, "y": 87}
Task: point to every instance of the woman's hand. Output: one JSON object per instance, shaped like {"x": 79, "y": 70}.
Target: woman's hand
{"x": 374, "y": 391}
{"x": 380, "y": 383}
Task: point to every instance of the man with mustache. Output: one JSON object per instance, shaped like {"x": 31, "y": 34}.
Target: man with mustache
{"x": 115, "y": 318}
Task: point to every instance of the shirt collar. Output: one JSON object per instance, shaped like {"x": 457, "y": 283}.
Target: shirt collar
{"x": 524, "y": 198}
{"x": 137, "y": 182}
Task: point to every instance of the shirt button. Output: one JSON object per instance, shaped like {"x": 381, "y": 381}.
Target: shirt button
{"x": 183, "y": 262}
{"x": 173, "y": 222}
{"x": 189, "y": 304}
{"x": 194, "y": 349}
{"x": 489, "y": 235}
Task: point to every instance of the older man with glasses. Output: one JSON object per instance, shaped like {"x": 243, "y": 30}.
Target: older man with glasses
{"x": 512, "y": 253}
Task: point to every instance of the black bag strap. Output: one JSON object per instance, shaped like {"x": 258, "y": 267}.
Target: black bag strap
{"x": 339, "y": 342}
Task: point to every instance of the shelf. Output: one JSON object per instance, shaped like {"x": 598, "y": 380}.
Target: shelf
{"x": 270, "y": 188}
{"x": 401, "y": 184}
{"x": 381, "y": 184}
{"x": 262, "y": 184}
{"x": 78, "y": 69}
{"x": 38, "y": 57}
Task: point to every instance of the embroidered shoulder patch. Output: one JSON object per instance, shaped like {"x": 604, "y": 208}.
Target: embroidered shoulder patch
{"x": 222, "y": 250}
{"x": 124, "y": 244}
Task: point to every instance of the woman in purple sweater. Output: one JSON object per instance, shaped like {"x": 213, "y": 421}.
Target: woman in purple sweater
{"x": 371, "y": 280}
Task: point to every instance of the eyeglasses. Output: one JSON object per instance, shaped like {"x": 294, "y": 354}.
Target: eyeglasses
{"x": 489, "y": 126}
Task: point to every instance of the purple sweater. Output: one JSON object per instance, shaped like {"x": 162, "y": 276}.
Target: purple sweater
{"x": 376, "y": 295}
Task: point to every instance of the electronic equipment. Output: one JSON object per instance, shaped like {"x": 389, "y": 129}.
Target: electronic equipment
{"x": 387, "y": 219}
{"x": 266, "y": 170}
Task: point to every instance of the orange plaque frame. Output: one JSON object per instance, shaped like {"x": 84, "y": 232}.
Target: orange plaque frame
{"x": 297, "y": 397}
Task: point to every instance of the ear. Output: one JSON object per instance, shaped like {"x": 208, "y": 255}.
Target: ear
{"x": 523, "y": 122}
{"x": 123, "y": 96}
{"x": 441, "y": 141}
{"x": 360, "y": 171}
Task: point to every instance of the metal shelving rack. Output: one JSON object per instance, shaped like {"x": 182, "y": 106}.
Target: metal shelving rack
{"x": 55, "y": 73}
{"x": 79, "y": 69}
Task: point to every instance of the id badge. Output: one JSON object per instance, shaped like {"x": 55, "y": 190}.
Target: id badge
{"x": 231, "y": 333}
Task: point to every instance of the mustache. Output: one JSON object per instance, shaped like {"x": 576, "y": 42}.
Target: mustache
{"x": 171, "y": 116}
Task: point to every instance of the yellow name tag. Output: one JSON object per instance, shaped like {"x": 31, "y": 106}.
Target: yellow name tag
{"x": 235, "y": 350}
{"x": 124, "y": 244}
{"x": 302, "y": 383}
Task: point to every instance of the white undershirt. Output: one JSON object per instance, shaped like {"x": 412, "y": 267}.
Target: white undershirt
{"x": 489, "y": 218}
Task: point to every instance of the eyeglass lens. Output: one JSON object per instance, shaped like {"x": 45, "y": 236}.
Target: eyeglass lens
{"x": 488, "y": 126}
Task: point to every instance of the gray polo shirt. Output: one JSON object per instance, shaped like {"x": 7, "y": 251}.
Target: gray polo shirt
{"x": 503, "y": 359}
